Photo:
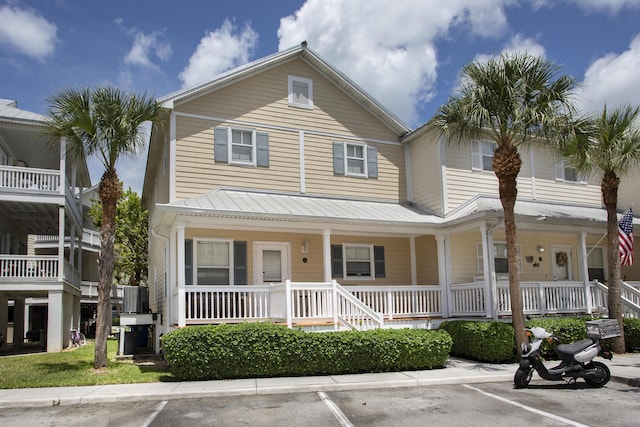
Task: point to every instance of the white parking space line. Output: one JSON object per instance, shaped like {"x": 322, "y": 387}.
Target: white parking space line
{"x": 340, "y": 416}
{"x": 534, "y": 410}
{"x": 155, "y": 413}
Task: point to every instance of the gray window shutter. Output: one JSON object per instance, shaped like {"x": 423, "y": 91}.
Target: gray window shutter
{"x": 221, "y": 145}
{"x": 378, "y": 258}
{"x": 372, "y": 162}
{"x": 262, "y": 149}
{"x": 188, "y": 262}
{"x": 240, "y": 263}
{"x": 338, "y": 158}
{"x": 336, "y": 261}
{"x": 476, "y": 155}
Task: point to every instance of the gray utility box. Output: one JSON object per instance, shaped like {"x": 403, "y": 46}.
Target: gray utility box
{"x": 136, "y": 299}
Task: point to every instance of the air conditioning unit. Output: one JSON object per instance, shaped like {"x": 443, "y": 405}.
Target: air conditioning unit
{"x": 136, "y": 299}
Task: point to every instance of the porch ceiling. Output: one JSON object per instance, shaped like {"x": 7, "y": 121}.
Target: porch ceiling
{"x": 33, "y": 218}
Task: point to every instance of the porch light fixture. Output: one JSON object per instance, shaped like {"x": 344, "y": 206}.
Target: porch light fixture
{"x": 540, "y": 248}
{"x": 305, "y": 247}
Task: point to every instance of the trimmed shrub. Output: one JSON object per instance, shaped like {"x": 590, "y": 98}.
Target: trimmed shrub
{"x": 264, "y": 350}
{"x": 481, "y": 340}
{"x": 632, "y": 334}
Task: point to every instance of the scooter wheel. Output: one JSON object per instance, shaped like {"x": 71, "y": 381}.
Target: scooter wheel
{"x": 522, "y": 377}
{"x": 597, "y": 374}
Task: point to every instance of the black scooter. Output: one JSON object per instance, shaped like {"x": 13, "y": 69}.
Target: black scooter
{"x": 576, "y": 359}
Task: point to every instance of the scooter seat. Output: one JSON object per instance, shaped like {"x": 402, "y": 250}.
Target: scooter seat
{"x": 571, "y": 349}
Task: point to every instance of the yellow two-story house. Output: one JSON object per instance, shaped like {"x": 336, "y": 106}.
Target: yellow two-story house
{"x": 281, "y": 191}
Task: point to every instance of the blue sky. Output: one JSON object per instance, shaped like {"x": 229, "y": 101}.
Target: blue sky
{"x": 406, "y": 53}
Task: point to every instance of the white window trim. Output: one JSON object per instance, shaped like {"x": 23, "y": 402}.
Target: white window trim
{"x": 365, "y": 170}
{"x": 230, "y": 144}
{"x": 309, "y": 83}
{"x": 372, "y": 263}
{"x": 195, "y": 259}
{"x": 560, "y": 166}
{"x": 479, "y": 256}
{"x": 477, "y": 156}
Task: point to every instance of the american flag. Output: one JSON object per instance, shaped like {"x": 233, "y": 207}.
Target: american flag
{"x": 625, "y": 236}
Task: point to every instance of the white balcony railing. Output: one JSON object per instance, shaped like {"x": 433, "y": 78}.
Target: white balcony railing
{"x": 29, "y": 179}
{"x": 28, "y": 267}
{"x": 89, "y": 238}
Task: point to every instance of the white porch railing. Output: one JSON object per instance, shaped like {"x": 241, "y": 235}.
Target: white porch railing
{"x": 29, "y": 267}
{"x": 90, "y": 291}
{"x": 629, "y": 293}
{"x": 89, "y": 237}
{"x": 30, "y": 179}
{"x": 226, "y": 303}
{"x": 400, "y": 301}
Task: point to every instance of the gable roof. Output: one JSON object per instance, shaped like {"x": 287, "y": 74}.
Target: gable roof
{"x": 310, "y": 57}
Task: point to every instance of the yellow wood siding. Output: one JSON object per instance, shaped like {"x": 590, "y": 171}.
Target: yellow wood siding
{"x": 427, "y": 260}
{"x": 260, "y": 102}
{"x": 464, "y": 258}
{"x": 426, "y": 174}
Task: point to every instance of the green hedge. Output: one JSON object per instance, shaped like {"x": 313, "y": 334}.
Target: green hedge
{"x": 481, "y": 340}
{"x": 264, "y": 350}
{"x": 632, "y": 334}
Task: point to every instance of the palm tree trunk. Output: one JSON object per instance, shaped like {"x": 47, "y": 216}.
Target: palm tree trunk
{"x": 109, "y": 191}
{"x": 610, "y": 183}
{"x": 506, "y": 164}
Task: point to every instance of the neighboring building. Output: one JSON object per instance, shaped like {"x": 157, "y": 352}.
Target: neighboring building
{"x": 281, "y": 191}
{"x": 40, "y": 196}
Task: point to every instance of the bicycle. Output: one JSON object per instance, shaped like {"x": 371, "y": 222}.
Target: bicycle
{"x": 77, "y": 338}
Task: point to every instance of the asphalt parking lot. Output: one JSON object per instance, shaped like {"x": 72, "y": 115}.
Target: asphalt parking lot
{"x": 486, "y": 404}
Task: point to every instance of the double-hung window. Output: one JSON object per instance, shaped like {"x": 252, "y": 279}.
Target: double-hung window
{"x": 565, "y": 173}
{"x": 353, "y": 159}
{"x": 500, "y": 259}
{"x": 482, "y": 155}
{"x": 214, "y": 261}
{"x": 357, "y": 261}
{"x": 300, "y": 92}
{"x": 241, "y": 146}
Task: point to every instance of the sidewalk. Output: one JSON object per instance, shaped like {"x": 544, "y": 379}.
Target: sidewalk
{"x": 625, "y": 368}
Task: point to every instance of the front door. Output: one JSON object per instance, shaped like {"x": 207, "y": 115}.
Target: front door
{"x": 272, "y": 262}
{"x": 561, "y": 261}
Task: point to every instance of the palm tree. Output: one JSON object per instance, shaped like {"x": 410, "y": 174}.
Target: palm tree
{"x": 609, "y": 144}
{"x": 510, "y": 99}
{"x": 104, "y": 123}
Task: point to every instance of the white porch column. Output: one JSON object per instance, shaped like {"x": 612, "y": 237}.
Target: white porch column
{"x": 55, "y": 331}
{"x": 4, "y": 316}
{"x": 583, "y": 268}
{"x": 177, "y": 239}
{"x": 326, "y": 254}
{"x": 444, "y": 272}
{"x": 18, "y": 322}
{"x": 75, "y": 322}
{"x": 414, "y": 268}
{"x": 61, "y": 243}
{"x": 491, "y": 288}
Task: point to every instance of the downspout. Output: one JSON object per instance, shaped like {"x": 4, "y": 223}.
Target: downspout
{"x": 158, "y": 321}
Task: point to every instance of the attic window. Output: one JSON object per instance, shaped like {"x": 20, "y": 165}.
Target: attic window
{"x": 300, "y": 92}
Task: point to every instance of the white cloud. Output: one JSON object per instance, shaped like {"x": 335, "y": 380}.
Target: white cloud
{"x": 144, "y": 45}
{"x": 517, "y": 44}
{"x": 24, "y": 31}
{"x": 219, "y": 51}
{"x": 389, "y": 51}
{"x": 611, "y": 6}
{"x": 612, "y": 80}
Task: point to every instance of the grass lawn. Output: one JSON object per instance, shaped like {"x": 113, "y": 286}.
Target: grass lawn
{"x": 73, "y": 367}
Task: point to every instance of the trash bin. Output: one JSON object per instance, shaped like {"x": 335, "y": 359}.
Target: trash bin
{"x": 129, "y": 342}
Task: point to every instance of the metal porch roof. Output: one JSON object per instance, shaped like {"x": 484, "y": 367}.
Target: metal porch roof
{"x": 229, "y": 202}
